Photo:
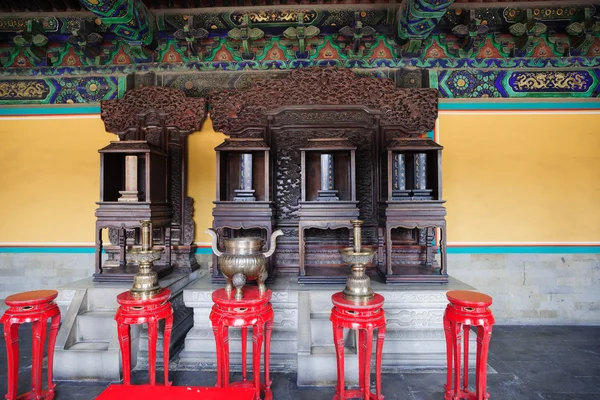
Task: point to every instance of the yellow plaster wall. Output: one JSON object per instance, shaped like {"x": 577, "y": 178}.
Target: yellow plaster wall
{"x": 202, "y": 167}
{"x": 507, "y": 177}
{"x": 49, "y": 177}
{"x": 521, "y": 177}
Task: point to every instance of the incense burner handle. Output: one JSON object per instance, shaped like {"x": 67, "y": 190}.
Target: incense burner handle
{"x": 215, "y": 240}
{"x": 274, "y": 237}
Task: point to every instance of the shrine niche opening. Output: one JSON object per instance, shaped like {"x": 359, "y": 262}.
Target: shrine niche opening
{"x": 327, "y": 131}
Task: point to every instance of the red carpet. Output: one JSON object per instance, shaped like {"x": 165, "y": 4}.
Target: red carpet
{"x": 147, "y": 392}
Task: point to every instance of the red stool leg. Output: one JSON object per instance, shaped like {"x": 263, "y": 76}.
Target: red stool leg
{"x": 225, "y": 332}
{"x": 257, "y": 339}
{"x": 367, "y": 366}
{"x": 11, "y": 337}
{"x": 362, "y": 345}
{"x": 378, "y": 356}
{"x": 449, "y": 348}
{"x": 269, "y": 332}
{"x": 51, "y": 344}
{"x": 484, "y": 334}
{"x": 338, "y": 338}
{"x": 125, "y": 345}
{"x": 466, "y": 329}
{"x": 456, "y": 353}
{"x": 166, "y": 344}
{"x": 218, "y": 332}
{"x": 244, "y": 349}
{"x": 37, "y": 356}
{"x": 152, "y": 336}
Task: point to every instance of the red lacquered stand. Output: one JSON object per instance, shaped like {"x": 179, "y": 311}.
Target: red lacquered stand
{"x": 138, "y": 311}
{"x": 37, "y": 307}
{"x": 256, "y": 311}
{"x": 467, "y": 309}
{"x": 363, "y": 317}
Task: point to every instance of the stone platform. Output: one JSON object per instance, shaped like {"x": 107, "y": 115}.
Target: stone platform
{"x": 302, "y": 338}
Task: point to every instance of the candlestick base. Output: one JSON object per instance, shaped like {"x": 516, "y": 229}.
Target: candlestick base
{"x": 327, "y": 195}
{"x": 128, "y": 196}
{"x": 145, "y": 282}
{"x": 244, "y": 195}
{"x": 358, "y": 285}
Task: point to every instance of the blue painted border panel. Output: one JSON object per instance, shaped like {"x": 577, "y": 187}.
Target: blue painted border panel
{"x": 71, "y": 250}
{"x": 451, "y": 250}
{"x": 562, "y": 104}
{"x": 49, "y": 110}
{"x": 524, "y": 250}
{"x": 567, "y": 104}
{"x": 55, "y": 250}
{"x": 203, "y": 250}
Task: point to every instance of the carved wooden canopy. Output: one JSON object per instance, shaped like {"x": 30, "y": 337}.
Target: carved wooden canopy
{"x": 412, "y": 111}
{"x": 146, "y": 106}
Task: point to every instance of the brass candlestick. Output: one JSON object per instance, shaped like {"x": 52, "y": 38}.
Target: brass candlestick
{"x": 145, "y": 282}
{"x": 358, "y": 285}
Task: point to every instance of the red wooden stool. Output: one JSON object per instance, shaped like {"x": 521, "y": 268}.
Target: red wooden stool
{"x": 363, "y": 317}
{"x": 138, "y": 311}
{"x": 254, "y": 310}
{"x": 467, "y": 309}
{"x": 37, "y": 307}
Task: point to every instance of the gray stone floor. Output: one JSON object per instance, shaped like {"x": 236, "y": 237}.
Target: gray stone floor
{"x": 526, "y": 362}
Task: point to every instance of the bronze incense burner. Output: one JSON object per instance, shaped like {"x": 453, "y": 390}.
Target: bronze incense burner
{"x": 243, "y": 260}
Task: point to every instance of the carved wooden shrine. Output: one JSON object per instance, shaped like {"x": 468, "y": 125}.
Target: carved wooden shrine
{"x": 140, "y": 168}
{"x": 328, "y": 195}
{"x": 367, "y": 114}
{"x": 143, "y": 176}
{"x": 413, "y": 203}
{"x": 244, "y": 203}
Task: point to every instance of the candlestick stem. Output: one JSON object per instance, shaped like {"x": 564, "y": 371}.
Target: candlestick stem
{"x": 145, "y": 235}
{"x": 357, "y": 225}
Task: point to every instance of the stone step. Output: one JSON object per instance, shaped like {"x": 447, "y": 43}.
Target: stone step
{"x": 94, "y": 361}
{"x": 103, "y": 298}
{"x": 330, "y": 350}
{"x": 88, "y": 345}
{"x": 95, "y": 325}
{"x": 321, "y": 332}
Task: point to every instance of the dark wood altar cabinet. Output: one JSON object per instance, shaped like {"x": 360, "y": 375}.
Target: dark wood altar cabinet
{"x": 413, "y": 209}
{"x": 152, "y": 124}
{"x": 133, "y": 187}
{"x": 328, "y": 199}
{"x": 365, "y": 113}
{"x": 243, "y": 206}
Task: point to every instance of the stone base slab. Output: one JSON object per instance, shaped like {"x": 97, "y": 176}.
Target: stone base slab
{"x": 302, "y": 338}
